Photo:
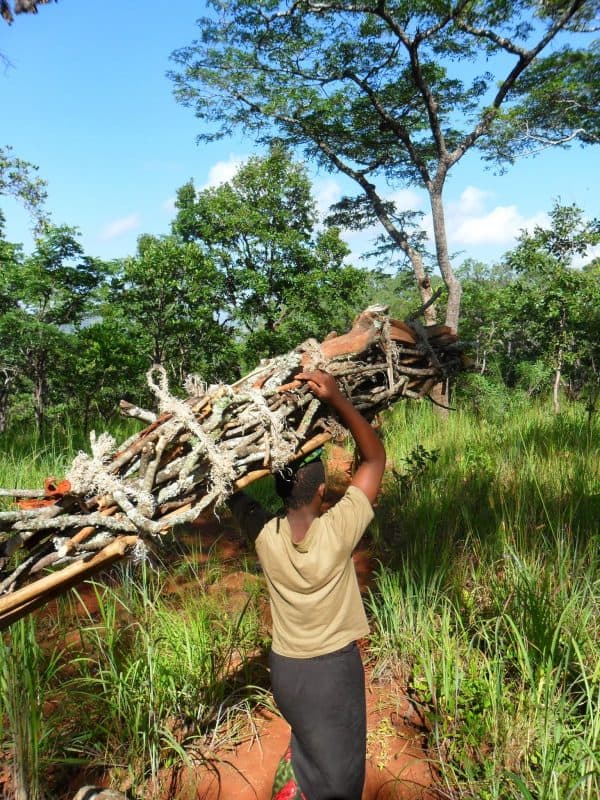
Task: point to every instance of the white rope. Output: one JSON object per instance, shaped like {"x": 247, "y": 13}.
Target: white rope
{"x": 221, "y": 463}
{"x": 89, "y": 475}
{"x": 139, "y": 552}
{"x": 195, "y": 386}
{"x": 280, "y": 450}
{"x": 312, "y": 348}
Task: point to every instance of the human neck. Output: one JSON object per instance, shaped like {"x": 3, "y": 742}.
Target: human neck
{"x": 300, "y": 520}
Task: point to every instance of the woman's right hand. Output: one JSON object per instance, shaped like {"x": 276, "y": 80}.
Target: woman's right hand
{"x": 322, "y": 384}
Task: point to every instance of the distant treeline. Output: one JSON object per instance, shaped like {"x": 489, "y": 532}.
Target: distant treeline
{"x": 247, "y": 273}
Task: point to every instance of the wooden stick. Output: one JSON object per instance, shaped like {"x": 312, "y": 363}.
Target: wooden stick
{"x": 22, "y": 492}
{"x": 64, "y": 579}
{"x": 187, "y": 459}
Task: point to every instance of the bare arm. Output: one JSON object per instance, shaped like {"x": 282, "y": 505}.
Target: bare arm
{"x": 370, "y": 449}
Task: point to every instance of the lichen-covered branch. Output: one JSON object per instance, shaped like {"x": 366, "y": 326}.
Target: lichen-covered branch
{"x": 199, "y": 450}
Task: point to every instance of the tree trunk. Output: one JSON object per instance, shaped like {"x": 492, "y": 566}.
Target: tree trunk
{"x": 556, "y": 388}
{"x": 40, "y": 390}
{"x": 423, "y": 284}
{"x": 6, "y": 382}
{"x": 400, "y": 238}
{"x": 441, "y": 249}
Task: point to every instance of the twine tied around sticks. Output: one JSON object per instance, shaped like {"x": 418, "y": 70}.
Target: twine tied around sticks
{"x": 89, "y": 475}
{"x": 221, "y": 463}
{"x": 278, "y": 449}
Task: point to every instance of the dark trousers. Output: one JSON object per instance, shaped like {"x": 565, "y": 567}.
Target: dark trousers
{"x": 323, "y": 700}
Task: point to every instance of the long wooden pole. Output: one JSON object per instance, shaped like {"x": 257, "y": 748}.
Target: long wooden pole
{"x": 22, "y": 601}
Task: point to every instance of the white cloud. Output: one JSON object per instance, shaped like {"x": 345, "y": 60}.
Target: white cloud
{"x": 592, "y": 253}
{"x": 224, "y": 171}
{"x": 472, "y": 200}
{"x": 327, "y": 192}
{"x": 120, "y": 226}
{"x": 470, "y": 223}
{"x": 406, "y": 200}
{"x": 500, "y": 226}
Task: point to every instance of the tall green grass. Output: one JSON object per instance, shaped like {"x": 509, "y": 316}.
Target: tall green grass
{"x": 161, "y": 678}
{"x": 143, "y": 679}
{"x": 487, "y": 601}
{"x": 27, "y": 681}
{"x": 27, "y": 457}
{"x": 486, "y": 605}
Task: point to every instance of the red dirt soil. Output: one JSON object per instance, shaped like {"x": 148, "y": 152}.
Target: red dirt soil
{"x": 397, "y": 767}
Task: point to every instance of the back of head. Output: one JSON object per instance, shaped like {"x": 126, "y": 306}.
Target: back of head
{"x": 298, "y": 487}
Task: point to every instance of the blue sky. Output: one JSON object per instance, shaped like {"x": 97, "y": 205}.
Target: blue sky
{"x": 85, "y": 97}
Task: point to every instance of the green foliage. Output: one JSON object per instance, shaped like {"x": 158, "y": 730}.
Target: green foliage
{"x": 378, "y": 91}
{"x": 486, "y": 395}
{"x": 556, "y": 102}
{"x": 554, "y": 304}
{"x": 167, "y": 300}
{"x": 44, "y": 297}
{"x": 483, "y": 323}
{"x": 398, "y": 292}
{"x": 280, "y": 281}
{"x": 533, "y": 319}
{"x": 17, "y": 178}
{"x": 533, "y": 376}
{"x": 281, "y": 57}
{"x": 106, "y": 364}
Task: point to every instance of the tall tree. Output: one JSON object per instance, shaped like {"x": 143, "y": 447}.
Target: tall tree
{"x": 485, "y": 317}
{"x": 283, "y": 279}
{"x": 105, "y": 366}
{"x": 168, "y": 298}
{"x": 550, "y": 306}
{"x": 45, "y": 295}
{"x": 394, "y": 89}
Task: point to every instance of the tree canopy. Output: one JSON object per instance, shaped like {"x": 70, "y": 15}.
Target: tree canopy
{"x": 396, "y": 90}
{"x": 168, "y": 298}
{"x": 283, "y": 279}
{"x": 248, "y": 272}
{"x": 43, "y": 295}
{"x": 7, "y": 11}
{"x": 18, "y": 179}
{"x": 533, "y": 319}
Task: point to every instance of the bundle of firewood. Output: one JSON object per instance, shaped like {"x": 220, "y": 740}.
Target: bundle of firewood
{"x": 119, "y": 501}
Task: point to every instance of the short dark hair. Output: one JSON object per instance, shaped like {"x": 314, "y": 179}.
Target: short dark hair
{"x": 298, "y": 487}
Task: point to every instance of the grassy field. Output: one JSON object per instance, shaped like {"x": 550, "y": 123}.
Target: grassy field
{"x": 487, "y": 600}
{"x": 485, "y": 606}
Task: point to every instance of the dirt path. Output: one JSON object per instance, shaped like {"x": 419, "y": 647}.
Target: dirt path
{"x": 397, "y": 766}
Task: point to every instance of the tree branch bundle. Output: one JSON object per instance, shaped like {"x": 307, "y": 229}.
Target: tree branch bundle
{"x": 118, "y": 501}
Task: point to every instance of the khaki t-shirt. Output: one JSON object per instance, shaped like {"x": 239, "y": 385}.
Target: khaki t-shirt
{"x": 315, "y": 600}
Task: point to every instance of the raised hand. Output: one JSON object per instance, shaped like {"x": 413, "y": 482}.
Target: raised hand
{"x": 322, "y": 384}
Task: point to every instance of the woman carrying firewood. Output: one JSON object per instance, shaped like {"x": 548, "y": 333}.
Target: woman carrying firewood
{"x": 317, "y": 674}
